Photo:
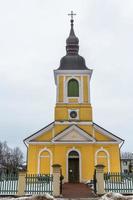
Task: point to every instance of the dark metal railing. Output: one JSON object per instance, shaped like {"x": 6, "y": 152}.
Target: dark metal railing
{"x": 119, "y": 182}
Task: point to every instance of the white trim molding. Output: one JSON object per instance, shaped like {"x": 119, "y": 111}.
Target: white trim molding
{"x": 80, "y": 164}
{"x": 50, "y": 157}
{"x": 53, "y": 132}
{"x": 66, "y": 98}
{"x": 74, "y": 122}
{"x": 71, "y": 72}
{"x": 107, "y": 156}
{"x": 82, "y": 90}
{"x": 89, "y": 95}
{"x": 88, "y": 138}
{"x": 93, "y": 131}
{"x": 57, "y": 90}
{"x": 71, "y": 142}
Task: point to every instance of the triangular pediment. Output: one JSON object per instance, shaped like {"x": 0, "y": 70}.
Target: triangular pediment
{"x": 74, "y": 134}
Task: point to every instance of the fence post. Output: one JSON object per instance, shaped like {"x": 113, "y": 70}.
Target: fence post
{"x": 56, "y": 179}
{"x": 21, "y": 183}
{"x": 100, "y": 179}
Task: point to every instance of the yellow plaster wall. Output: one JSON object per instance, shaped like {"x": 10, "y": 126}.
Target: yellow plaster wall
{"x": 45, "y": 136}
{"x": 98, "y": 136}
{"x": 32, "y": 159}
{"x": 114, "y": 158}
{"x": 61, "y": 89}
{"x": 88, "y": 161}
{"x": 85, "y": 111}
{"x": 59, "y": 128}
{"x": 85, "y": 89}
{"x": 73, "y": 100}
{"x": 88, "y": 151}
{"x": 101, "y": 137}
{"x": 87, "y": 128}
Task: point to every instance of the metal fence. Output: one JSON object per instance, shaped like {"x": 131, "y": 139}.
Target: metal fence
{"x": 34, "y": 184}
{"x": 119, "y": 182}
{"x": 39, "y": 184}
{"x": 8, "y": 184}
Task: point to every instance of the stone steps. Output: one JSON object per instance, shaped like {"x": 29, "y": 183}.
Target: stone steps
{"x": 77, "y": 191}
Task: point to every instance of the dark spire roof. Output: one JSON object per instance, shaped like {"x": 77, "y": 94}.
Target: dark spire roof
{"x": 72, "y": 42}
{"x": 72, "y": 60}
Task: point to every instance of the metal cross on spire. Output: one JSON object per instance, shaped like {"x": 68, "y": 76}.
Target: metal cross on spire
{"x": 71, "y": 14}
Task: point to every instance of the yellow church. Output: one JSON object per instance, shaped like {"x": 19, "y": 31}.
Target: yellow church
{"x": 73, "y": 139}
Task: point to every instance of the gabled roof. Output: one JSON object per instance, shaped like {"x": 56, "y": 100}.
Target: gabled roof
{"x": 81, "y": 134}
{"x": 107, "y": 133}
{"x": 38, "y": 133}
{"x": 73, "y": 134}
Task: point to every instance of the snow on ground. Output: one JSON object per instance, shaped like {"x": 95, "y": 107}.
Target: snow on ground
{"x": 108, "y": 196}
{"x": 115, "y": 196}
{"x": 36, "y": 197}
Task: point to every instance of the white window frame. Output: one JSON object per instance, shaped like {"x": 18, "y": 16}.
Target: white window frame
{"x": 66, "y": 98}
{"x": 107, "y": 156}
{"x": 50, "y": 157}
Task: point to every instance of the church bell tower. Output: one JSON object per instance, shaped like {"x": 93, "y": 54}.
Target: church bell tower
{"x": 73, "y": 140}
{"x": 72, "y": 80}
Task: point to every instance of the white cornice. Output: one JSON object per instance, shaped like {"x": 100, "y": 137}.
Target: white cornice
{"x": 38, "y": 142}
{"x": 73, "y": 122}
{"x": 72, "y": 72}
{"x": 107, "y": 142}
{"x": 71, "y": 142}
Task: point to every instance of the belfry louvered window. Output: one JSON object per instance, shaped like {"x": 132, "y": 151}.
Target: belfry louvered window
{"x": 73, "y": 88}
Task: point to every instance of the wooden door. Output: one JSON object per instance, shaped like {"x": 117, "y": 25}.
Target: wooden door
{"x": 73, "y": 167}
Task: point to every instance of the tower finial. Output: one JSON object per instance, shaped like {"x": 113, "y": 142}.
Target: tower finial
{"x": 72, "y": 14}
{"x": 72, "y": 60}
{"x": 72, "y": 41}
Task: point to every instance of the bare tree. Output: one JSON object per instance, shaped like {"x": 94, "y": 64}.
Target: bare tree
{"x": 16, "y": 158}
{"x": 11, "y": 159}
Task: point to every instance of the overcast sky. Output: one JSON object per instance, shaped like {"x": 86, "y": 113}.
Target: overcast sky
{"x": 32, "y": 41}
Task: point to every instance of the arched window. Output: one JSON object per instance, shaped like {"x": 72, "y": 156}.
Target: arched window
{"x": 103, "y": 158}
{"x": 73, "y": 88}
{"x": 45, "y": 161}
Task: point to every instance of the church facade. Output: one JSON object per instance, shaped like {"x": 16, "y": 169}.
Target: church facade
{"x": 73, "y": 139}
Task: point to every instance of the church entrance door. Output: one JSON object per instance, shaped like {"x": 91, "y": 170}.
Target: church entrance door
{"x": 73, "y": 167}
